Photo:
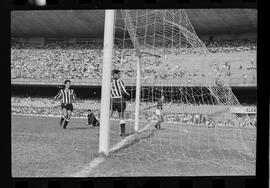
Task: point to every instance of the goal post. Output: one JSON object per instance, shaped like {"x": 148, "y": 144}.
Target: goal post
{"x": 104, "y": 131}
{"x": 154, "y": 47}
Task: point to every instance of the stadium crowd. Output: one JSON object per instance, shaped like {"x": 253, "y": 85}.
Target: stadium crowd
{"x": 41, "y": 106}
{"x": 56, "y": 60}
{"x": 228, "y": 46}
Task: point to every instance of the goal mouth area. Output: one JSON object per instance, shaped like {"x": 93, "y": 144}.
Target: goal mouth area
{"x": 154, "y": 47}
{"x": 168, "y": 128}
{"x": 183, "y": 144}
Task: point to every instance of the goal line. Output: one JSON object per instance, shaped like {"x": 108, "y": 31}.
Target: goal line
{"x": 124, "y": 141}
{"x": 97, "y": 161}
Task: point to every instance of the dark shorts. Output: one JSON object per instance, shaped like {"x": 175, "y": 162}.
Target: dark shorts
{"x": 93, "y": 121}
{"x": 67, "y": 106}
{"x": 118, "y": 105}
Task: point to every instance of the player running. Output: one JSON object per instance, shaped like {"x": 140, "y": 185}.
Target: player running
{"x": 118, "y": 95}
{"x": 67, "y": 96}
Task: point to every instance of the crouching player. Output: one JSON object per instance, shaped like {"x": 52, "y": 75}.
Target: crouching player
{"x": 67, "y": 96}
{"x": 118, "y": 95}
{"x": 92, "y": 120}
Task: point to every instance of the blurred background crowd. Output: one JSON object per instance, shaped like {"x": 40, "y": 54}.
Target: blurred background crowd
{"x": 43, "y": 106}
{"x": 56, "y": 60}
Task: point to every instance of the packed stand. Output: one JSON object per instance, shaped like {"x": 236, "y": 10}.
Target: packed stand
{"x": 58, "y": 60}
{"x": 229, "y": 46}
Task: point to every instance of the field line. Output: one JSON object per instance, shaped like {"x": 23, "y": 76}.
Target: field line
{"x": 125, "y": 140}
{"x": 95, "y": 162}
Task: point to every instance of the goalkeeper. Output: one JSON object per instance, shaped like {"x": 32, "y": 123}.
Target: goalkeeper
{"x": 159, "y": 112}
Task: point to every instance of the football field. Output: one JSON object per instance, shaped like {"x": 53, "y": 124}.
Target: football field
{"x": 41, "y": 148}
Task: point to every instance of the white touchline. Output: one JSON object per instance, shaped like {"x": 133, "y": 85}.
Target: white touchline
{"x": 95, "y": 162}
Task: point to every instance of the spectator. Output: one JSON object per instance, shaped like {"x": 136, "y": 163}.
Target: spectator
{"x": 38, "y": 106}
{"x": 82, "y": 60}
{"x": 229, "y": 70}
{"x": 245, "y": 76}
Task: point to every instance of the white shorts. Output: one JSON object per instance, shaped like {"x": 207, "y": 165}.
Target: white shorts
{"x": 158, "y": 112}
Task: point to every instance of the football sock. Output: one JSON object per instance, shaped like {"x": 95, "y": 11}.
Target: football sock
{"x": 61, "y": 120}
{"x": 157, "y": 125}
{"x": 122, "y": 126}
{"x": 65, "y": 123}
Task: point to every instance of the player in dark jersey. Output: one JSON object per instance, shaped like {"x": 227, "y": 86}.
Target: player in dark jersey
{"x": 159, "y": 112}
{"x": 66, "y": 95}
{"x": 92, "y": 120}
{"x": 118, "y": 99}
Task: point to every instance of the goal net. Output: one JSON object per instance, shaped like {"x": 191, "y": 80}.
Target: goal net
{"x": 199, "y": 134}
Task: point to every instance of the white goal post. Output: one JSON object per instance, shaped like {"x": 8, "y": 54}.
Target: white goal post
{"x": 104, "y": 131}
{"x": 156, "y": 41}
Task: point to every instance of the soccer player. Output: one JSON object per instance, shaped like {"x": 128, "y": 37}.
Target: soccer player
{"x": 67, "y": 96}
{"x": 118, "y": 95}
{"x": 159, "y": 112}
{"x": 92, "y": 120}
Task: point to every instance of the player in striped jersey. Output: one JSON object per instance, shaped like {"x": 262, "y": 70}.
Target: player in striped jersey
{"x": 118, "y": 95}
{"x": 67, "y": 96}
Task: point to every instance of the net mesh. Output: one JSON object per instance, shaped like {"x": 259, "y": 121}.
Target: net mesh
{"x": 198, "y": 131}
